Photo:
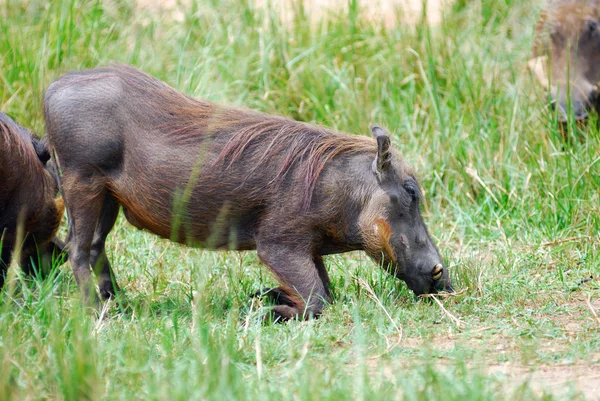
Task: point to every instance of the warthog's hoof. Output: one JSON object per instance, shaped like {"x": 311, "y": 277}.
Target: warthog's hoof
{"x": 275, "y": 294}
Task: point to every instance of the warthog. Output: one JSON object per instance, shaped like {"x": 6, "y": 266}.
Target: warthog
{"x": 228, "y": 178}
{"x": 568, "y": 33}
{"x": 28, "y": 197}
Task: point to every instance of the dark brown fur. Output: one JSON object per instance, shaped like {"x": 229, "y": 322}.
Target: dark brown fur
{"x": 27, "y": 196}
{"x": 224, "y": 177}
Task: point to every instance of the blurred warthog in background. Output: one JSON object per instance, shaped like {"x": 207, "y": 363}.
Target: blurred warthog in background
{"x": 568, "y": 44}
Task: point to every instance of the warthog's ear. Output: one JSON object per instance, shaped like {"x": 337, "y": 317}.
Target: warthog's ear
{"x": 538, "y": 38}
{"x": 41, "y": 148}
{"x": 383, "y": 161}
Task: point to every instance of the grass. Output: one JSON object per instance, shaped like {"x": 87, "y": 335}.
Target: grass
{"x": 513, "y": 207}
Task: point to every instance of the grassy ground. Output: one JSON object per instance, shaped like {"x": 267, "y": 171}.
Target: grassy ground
{"x": 514, "y": 208}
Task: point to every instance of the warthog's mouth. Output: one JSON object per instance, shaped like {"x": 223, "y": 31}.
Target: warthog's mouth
{"x": 538, "y": 67}
{"x": 580, "y": 113}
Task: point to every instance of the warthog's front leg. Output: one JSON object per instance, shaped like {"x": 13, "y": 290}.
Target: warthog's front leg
{"x": 303, "y": 292}
{"x": 275, "y": 294}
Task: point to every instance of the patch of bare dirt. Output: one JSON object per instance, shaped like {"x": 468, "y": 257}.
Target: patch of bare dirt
{"x": 556, "y": 380}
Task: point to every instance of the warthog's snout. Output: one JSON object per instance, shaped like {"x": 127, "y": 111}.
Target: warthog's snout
{"x": 441, "y": 282}
{"x": 581, "y": 104}
{"x": 432, "y": 280}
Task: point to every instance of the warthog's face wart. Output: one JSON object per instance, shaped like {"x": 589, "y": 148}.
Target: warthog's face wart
{"x": 398, "y": 232}
{"x": 571, "y": 38}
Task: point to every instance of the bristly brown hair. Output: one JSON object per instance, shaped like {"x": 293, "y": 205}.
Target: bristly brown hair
{"x": 18, "y": 149}
{"x": 303, "y": 148}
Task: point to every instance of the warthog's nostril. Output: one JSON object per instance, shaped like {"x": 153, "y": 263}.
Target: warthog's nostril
{"x": 437, "y": 271}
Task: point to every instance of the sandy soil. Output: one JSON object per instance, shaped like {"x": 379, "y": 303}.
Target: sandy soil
{"x": 383, "y": 10}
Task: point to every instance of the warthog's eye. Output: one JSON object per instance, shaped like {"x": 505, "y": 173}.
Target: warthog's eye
{"x": 591, "y": 26}
{"x": 557, "y": 38}
{"x": 411, "y": 186}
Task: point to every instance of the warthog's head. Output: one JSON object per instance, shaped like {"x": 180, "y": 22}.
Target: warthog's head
{"x": 393, "y": 228}
{"x": 569, "y": 34}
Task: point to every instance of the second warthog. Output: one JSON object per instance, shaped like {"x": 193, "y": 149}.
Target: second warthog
{"x": 28, "y": 201}
{"x": 228, "y": 178}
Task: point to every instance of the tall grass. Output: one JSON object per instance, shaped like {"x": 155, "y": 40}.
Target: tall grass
{"x": 513, "y": 207}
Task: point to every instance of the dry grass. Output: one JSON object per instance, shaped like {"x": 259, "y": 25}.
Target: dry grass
{"x": 375, "y": 10}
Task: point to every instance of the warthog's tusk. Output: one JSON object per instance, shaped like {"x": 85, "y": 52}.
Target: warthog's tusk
{"x": 437, "y": 271}
{"x": 537, "y": 66}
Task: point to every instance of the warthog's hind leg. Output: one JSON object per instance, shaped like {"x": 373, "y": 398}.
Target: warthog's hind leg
{"x": 84, "y": 200}
{"x": 106, "y": 279}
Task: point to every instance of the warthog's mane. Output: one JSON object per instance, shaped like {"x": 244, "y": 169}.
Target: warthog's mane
{"x": 304, "y": 149}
